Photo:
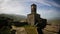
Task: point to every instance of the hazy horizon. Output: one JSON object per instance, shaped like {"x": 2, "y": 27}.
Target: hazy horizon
{"x": 46, "y": 8}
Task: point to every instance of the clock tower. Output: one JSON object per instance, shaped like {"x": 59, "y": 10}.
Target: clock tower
{"x": 33, "y": 17}
{"x": 33, "y": 8}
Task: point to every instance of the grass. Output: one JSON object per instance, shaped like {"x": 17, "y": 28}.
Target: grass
{"x": 31, "y": 29}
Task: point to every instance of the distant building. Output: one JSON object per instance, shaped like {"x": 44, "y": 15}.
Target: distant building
{"x": 33, "y": 18}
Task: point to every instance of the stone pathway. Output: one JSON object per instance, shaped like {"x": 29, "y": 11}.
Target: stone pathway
{"x": 20, "y": 30}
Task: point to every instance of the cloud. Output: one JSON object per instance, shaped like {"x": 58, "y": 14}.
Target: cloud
{"x": 41, "y": 2}
{"x": 11, "y": 7}
{"x": 22, "y": 7}
{"x": 49, "y": 14}
{"x": 47, "y": 2}
{"x": 53, "y": 3}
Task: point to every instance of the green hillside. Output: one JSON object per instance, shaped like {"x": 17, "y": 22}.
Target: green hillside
{"x": 13, "y": 16}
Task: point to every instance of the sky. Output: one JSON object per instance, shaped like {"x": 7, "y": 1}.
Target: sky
{"x": 46, "y": 8}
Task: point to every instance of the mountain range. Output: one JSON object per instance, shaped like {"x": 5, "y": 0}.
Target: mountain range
{"x": 14, "y": 16}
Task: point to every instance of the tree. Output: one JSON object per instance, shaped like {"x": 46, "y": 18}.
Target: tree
{"x": 5, "y": 25}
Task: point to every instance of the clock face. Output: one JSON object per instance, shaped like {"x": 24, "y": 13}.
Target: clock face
{"x": 33, "y": 7}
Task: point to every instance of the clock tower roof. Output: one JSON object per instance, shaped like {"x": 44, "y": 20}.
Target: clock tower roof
{"x": 33, "y": 5}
